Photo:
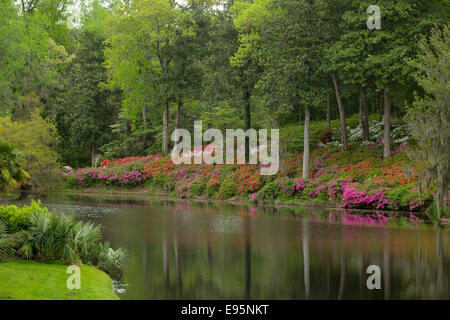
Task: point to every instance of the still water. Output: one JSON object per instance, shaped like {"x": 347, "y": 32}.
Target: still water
{"x": 182, "y": 249}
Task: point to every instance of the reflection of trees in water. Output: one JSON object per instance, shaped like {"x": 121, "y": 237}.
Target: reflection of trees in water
{"x": 248, "y": 259}
{"x": 427, "y": 279}
{"x": 269, "y": 259}
{"x": 305, "y": 237}
{"x": 342, "y": 267}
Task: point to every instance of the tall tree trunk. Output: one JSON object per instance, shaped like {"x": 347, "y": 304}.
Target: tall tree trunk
{"x": 360, "y": 108}
{"x": 178, "y": 114}
{"x": 442, "y": 190}
{"x": 387, "y": 124}
{"x": 306, "y": 143}
{"x": 247, "y": 96}
{"x": 247, "y": 119}
{"x": 299, "y": 112}
{"x": 380, "y": 107}
{"x": 144, "y": 118}
{"x": 166, "y": 128}
{"x": 364, "y": 113}
{"x": 328, "y": 111}
{"x": 341, "y": 110}
{"x": 93, "y": 154}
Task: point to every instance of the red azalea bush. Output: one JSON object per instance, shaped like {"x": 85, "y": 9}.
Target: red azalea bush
{"x": 326, "y": 135}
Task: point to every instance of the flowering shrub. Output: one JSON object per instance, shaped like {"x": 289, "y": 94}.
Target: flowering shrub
{"x": 129, "y": 159}
{"x": 326, "y": 135}
{"x": 354, "y": 196}
{"x": 129, "y": 174}
{"x": 283, "y": 187}
{"x": 358, "y": 178}
{"x": 247, "y": 178}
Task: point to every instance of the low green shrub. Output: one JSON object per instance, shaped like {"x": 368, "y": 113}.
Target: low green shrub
{"x": 34, "y": 233}
{"x": 7, "y": 242}
{"x": 227, "y": 189}
{"x": 18, "y": 218}
{"x": 111, "y": 261}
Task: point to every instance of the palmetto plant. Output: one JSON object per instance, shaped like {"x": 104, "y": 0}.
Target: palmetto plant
{"x": 111, "y": 260}
{"x": 7, "y": 242}
{"x": 11, "y": 173}
{"x": 59, "y": 237}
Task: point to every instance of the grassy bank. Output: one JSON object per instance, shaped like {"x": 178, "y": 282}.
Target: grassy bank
{"x": 55, "y": 240}
{"x": 31, "y": 280}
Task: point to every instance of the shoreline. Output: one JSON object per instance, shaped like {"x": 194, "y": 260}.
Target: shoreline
{"x": 143, "y": 193}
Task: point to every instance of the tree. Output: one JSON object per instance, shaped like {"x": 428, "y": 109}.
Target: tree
{"x": 429, "y": 116}
{"x": 401, "y": 21}
{"x": 141, "y": 36}
{"x": 36, "y": 138}
{"x": 249, "y": 18}
{"x": 91, "y": 112}
{"x": 11, "y": 173}
{"x": 291, "y": 54}
{"x": 333, "y": 13}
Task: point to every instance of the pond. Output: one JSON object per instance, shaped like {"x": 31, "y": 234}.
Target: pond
{"x": 180, "y": 249}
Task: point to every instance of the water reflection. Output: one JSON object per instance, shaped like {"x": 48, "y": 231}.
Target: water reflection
{"x": 188, "y": 250}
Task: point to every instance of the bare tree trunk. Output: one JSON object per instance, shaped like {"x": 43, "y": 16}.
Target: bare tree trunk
{"x": 387, "y": 124}
{"x": 247, "y": 108}
{"x": 328, "y": 111}
{"x": 166, "y": 128}
{"x": 442, "y": 190}
{"x": 360, "y": 108}
{"x": 341, "y": 110}
{"x": 144, "y": 118}
{"x": 178, "y": 114}
{"x": 247, "y": 119}
{"x": 364, "y": 114}
{"x": 299, "y": 111}
{"x": 93, "y": 154}
{"x": 306, "y": 143}
{"x": 380, "y": 107}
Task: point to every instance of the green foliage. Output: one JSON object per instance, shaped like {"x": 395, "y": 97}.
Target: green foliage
{"x": 7, "y": 242}
{"x": 111, "y": 260}
{"x": 17, "y": 218}
{"x": 227, "y": 189}
{"x": 403, "y": 196}
{"x": 11, "y": 173}
{"x": 46, "y": 236}
{"x": 36, "y": 138}
{"x": 429, "y": 114}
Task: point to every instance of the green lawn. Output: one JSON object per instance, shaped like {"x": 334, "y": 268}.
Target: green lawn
{"x": 31, "y": 280}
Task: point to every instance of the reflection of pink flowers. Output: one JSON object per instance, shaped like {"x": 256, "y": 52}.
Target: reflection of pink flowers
{"x": 355, "y": 219}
